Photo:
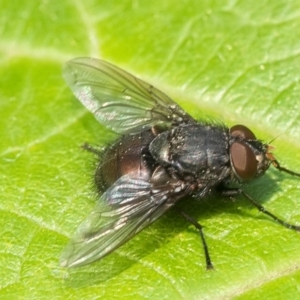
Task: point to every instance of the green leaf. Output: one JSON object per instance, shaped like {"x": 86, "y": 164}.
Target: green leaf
{"x": 233, "y": 60}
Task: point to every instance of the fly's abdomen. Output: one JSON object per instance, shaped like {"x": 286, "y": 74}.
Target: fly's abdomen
{"x": 129, "y": 154}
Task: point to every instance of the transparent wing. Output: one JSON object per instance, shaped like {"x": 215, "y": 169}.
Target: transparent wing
{"x": 119, "y": 100}
{"x": 126, "y": 208}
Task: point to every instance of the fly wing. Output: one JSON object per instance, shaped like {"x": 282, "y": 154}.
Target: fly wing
{"x": 119, "y": 100}
{"x": 125, "y": 209}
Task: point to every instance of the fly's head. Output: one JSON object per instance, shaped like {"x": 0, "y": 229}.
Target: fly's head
{"x": 249, "y": 157}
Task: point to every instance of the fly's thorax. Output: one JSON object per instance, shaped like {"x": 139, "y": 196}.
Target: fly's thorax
{"x": 127, "y": 155}
{"x": 193, "y": 149}
{"x": 248, "y": 156}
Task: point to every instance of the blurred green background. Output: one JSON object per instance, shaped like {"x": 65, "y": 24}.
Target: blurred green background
{"x": 237, "y": 61}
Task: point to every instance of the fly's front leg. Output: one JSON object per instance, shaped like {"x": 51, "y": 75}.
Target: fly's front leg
{"x": 230, "y": 192}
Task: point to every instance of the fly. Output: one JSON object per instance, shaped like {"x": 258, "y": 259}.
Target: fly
{"x": 162, "y": 156}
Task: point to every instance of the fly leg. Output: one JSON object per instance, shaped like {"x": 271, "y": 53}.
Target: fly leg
{"x": 236, "y": 191}
{"x": 91, "y": 149}
{"x": 199, "y": 227}
{"x": 277, "y": 165}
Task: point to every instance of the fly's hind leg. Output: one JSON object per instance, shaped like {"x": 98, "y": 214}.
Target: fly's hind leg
{"x": 92, "y": 149}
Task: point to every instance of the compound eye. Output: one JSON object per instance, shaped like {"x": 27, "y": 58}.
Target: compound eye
{"x": 242, "y": 132}
{"x": 243, "y": 160}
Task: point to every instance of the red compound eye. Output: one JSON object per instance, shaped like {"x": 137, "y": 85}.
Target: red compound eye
{"x": 243, "y": 160}
{"x": 242, "y": 131}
